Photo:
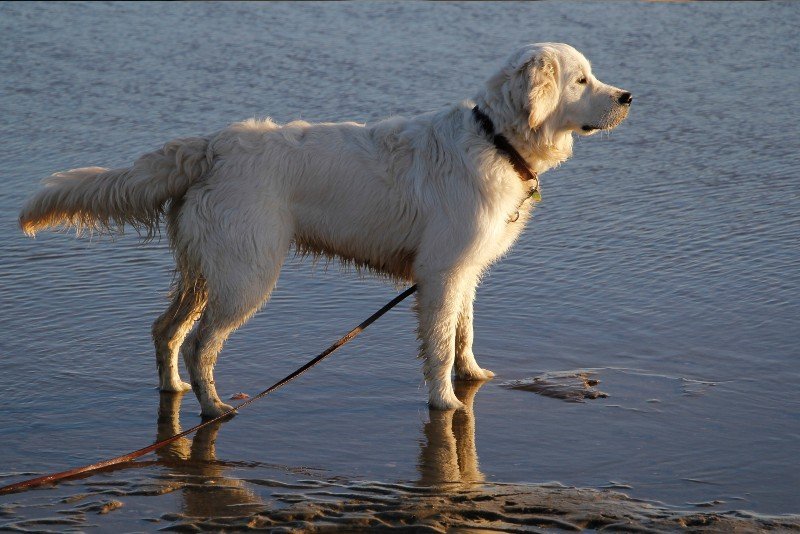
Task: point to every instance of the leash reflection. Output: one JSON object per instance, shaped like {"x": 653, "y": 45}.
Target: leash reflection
{"x": 448, "y": 454}
{"x": 212, "y": 493}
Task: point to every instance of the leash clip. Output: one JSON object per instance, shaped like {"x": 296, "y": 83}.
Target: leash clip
{"x": 533, "y": 193}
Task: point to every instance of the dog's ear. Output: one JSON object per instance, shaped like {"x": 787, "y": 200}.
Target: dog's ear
{"x": 543, "y": 96}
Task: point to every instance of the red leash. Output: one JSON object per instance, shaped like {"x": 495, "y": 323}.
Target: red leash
{"x": 55, "y": 477}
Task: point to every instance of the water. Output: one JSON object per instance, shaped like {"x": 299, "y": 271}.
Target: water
{"x": 664, "y": 257}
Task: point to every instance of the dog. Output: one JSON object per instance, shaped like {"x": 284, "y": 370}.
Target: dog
{"x": 434, "y": 199}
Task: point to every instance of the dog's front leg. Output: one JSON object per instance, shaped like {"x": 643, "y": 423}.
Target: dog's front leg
{"x": 438, "y": 304}
{"x": 467, "y": 367}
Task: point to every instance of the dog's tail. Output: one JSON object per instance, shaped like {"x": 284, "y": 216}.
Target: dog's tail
{"x": 107, "y": 199}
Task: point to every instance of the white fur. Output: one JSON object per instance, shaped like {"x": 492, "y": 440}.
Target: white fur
{"x": 424, "y": 199}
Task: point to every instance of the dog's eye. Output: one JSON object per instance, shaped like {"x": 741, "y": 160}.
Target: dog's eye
{"x": 582, "y": 80}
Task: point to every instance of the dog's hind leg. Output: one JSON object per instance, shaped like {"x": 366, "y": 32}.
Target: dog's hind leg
{"x": 240, "y": 275}
{"x": 170, "y": 329}
{"x": 200, "y": 355}
{"x": 224, "y": 313}
{"x": 467, "y": 367}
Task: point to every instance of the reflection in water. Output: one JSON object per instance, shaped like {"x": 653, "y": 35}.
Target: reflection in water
{"x": 211, "y": 494}
{"x": 448, "y": 454}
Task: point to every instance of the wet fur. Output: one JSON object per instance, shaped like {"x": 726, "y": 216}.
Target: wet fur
{"x": 424, "y": 199}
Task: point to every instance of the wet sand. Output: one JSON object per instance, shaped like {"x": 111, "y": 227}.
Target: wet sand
{"x": 495, "y": 507}
{"x": 307, "y": 505}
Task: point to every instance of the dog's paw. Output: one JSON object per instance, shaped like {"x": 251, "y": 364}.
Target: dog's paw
{"x": 444, "y": 401}
{"x": 177, "y": 386}
{"x": 475, "y": 375}
{"x": 215, "y": 410}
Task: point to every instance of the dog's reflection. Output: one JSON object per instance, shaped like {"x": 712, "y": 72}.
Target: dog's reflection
{"x": 448, "y": 454}
{"x": 209, "y": 493}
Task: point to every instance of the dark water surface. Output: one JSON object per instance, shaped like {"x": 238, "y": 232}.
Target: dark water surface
{"x": 663, "y": 257}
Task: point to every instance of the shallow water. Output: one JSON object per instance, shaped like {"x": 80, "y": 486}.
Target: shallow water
{"x": 663, "y": 258}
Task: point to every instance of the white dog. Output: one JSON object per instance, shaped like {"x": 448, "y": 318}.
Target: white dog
{"x": 434, "y": 199}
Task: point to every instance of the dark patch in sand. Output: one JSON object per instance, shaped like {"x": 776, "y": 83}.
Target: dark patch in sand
{"x": 570, "y": 386}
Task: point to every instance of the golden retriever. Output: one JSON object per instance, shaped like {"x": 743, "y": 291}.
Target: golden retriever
{"x": 434, "y": 199}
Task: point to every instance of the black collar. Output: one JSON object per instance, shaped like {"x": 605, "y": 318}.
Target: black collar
{"x": 503, "y": 146}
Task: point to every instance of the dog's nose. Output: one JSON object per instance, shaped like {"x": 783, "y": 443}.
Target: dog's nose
{"x": 625, "y": 98}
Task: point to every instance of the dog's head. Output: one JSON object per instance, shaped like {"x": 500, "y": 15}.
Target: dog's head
{"x": 547, "y": 90}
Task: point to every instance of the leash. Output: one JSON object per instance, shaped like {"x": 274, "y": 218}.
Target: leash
{"x": 55, "y": 477}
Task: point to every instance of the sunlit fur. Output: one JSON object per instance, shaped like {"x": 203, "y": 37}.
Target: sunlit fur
{"x": 424, "y": 199}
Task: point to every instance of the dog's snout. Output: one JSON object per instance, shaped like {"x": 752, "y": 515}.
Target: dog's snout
{"x": 625, "y": 98}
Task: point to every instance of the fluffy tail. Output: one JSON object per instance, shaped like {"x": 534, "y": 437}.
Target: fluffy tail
{"x": 102, "y": 199}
